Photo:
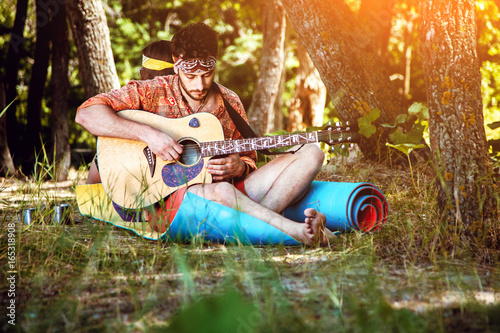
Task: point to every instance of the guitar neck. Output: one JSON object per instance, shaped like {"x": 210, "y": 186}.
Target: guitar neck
{"x": 217, "y": 148}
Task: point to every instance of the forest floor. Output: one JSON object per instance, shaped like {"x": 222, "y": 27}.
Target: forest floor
{"x": 89, "y": 276}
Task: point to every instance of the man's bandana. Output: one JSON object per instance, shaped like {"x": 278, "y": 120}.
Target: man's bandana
{"x": 196, "y": 65}
{"x": 155, "y": 64}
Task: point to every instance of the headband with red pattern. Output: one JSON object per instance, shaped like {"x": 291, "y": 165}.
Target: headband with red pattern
{"x": 196, "y": 65}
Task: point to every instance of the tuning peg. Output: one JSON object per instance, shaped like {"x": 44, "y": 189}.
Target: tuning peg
{"x": 342, "y": 146}
{"x": 338, "y": 124}
{"x": 348, "y": 123}
{"x": 351, "y": 145}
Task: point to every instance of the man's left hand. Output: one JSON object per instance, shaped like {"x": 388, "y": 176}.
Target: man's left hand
{"x": 226, "y": 167}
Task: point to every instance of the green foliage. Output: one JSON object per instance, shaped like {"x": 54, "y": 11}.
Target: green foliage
{"x": 418, "y": 114}
{"x": 5, "y": 109}
{"x": 238, "y": 68}
{"x": 215, "y": 313}
{"x": 365, "y": 123}
{"x": 128, "y": 38}
{"x": 406, "y": 142}
{"x": 489, "y": 53}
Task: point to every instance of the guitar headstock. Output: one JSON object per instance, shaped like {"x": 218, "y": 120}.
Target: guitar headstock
{"x": 339, "y": 134}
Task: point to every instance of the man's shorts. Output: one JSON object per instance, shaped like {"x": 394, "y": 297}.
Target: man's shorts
{"x": 165, "y": 214}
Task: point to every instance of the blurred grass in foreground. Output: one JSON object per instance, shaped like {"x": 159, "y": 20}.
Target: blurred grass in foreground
{"x": 89, "y": 276}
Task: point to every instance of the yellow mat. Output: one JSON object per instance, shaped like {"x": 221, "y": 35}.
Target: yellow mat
{"x": 94, "y": 202}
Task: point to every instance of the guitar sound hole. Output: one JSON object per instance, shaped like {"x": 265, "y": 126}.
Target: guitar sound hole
{"x": 191, "y": 152}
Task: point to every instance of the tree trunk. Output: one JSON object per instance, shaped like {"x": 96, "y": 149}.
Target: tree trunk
{"x": 347, "y": 62}
{"x": 456, "y": 125}
{"x": 308, "y": 102}
{"x": 6, "y": 164}
{"x": 14, "y": 54}
{"x": 32, "y": 143}
{"x": 279, "y": 116}
{"x": 91, "y": 36}
{"x": 375, "y": 17}
{"x": 278, "y": 123}
{"x": 60, "y": 126}
{"x": 261, "y": 115}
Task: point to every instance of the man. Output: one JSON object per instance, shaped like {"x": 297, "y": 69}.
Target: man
{"x": 262, "y": 193}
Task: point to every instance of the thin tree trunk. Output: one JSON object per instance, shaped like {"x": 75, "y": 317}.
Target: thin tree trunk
{"x": 261, "y": 115}
{"x": 6, "y": 164}
{"x": 32, "y": 143}
{"x": 407, "y": 54}
{"x": 348, "y": 64}
{"x": 308, "y": 102}
{"x": 278, "y": 123}
{"x": 375, "y": 18}
{"x": 60, "y": 126}
{"x": 279, "y": 116}
{"x": 456, "y": 126}
{"x": 14, "y": 55}
{"x": 95, "y": 56}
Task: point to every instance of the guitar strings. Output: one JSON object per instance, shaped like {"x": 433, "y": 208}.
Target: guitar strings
{"x": 189, "y": 146}
{"x": 322, "y": 132}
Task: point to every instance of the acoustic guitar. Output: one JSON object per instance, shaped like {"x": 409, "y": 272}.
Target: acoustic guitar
{"x": 133, "y": 177}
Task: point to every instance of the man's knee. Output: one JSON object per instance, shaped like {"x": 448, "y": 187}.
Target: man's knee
{"x": 218, "y": 192}
{"x": 313, "y": 154}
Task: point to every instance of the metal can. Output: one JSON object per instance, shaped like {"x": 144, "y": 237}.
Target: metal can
{"x": 27, "y": 215}
{"x": 61, "y": 214}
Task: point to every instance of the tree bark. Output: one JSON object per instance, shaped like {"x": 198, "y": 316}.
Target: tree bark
{"x": 261, "y": 115}
{"x": 347, "y": 62}
{"x": 456, "y": 126}
{"x": 14, "y": 54}
{"x": 6, "y": 164}
{"x": 91, "y": 36}
{"x": 32, "y": 142}
{"x": 308, "y": 102}
{"x": 60, "y": 125}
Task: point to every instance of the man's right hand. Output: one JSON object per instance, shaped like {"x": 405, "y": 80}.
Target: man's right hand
{"x": 163, "y": 145}
{"x": 101, "y": 120}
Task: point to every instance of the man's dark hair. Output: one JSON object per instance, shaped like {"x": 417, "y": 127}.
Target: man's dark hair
{"x": 196, "y": 40}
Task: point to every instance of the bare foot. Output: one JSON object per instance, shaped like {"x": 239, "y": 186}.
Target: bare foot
{"x": 315, "y": 227}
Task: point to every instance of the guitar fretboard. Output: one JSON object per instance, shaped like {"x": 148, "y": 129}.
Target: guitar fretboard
{"x": 217, "y": 148}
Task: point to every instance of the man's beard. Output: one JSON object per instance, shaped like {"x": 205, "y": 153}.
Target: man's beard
{"x": 196, "y": 98}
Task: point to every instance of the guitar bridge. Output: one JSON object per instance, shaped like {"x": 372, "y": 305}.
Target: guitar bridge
{"x": 151, "y": 157}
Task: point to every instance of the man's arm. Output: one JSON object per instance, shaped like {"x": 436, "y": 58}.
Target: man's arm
{"x": 101, "y": 120}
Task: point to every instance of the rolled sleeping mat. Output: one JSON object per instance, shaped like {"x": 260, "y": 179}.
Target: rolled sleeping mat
{"x": 347, "y": 206}
{"x": 217, "y": 223}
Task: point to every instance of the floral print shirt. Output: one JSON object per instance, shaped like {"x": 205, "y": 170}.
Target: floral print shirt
{"x": 162, "y": 96}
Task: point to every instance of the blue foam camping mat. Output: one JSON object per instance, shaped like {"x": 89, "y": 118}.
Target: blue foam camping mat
{"x": 217, "y": 223}
{"x": 347, "y": 206}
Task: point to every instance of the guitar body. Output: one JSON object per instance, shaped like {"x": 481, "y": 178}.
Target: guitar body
{"x": 127, "y": 172}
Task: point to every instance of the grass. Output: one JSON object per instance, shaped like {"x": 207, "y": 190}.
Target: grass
{"x": 88, "y": 276}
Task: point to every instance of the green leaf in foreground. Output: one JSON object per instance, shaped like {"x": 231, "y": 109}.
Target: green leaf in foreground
{"x": 366, "y": 128}
{"x": 5, "y": 110}
{"x": 406, "y": 148}
{"x": 217, "y": 313}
